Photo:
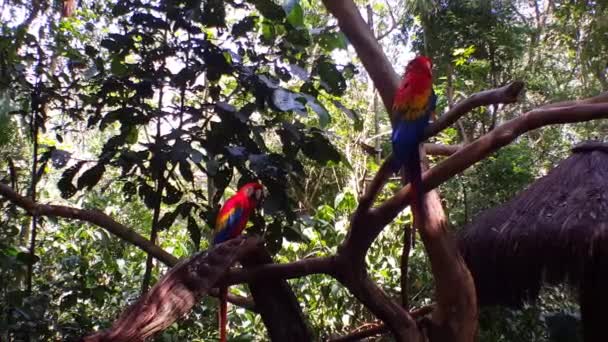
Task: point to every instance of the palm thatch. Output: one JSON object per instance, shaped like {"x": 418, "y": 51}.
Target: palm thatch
{"x": 556, "y": 231}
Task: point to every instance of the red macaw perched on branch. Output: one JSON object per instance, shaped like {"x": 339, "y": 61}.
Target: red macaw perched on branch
{"x": 413, "y": 105}
{"x": 230, "y": 222}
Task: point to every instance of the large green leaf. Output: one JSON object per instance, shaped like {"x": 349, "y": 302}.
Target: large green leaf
{"x": 91, "y": 177}
{"x": 317, "y": 147}
{"x": 331, "y": 78}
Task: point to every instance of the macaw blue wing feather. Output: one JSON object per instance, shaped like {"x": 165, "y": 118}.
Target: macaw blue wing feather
{"x": 227, "y": 224}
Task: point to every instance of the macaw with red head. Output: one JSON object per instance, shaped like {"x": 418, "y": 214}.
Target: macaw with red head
{"x": 230, "y": 223}
{"x": 413, "y": 105}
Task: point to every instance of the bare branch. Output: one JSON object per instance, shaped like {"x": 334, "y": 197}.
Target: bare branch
{"x": 297, "y": 269}
{"x": 601, "y": 98}
{"x": 455, "y": 316}
{"x": 361, "y": 233}
{"x": 277, "y": 304}
{"x": 106, "y": 222}
{"x": 92, "y": 216}
{"x": 394, "y": 24}
{"x": 440, "y": 149}
{"x": 482, "y": 147}
{"x": 379, "y": 328}
{"x": 176, "y": 293}
{"x": 358, "y": 282}
{"x": 506, "y": 94}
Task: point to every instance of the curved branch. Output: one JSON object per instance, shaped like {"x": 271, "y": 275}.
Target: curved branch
{"x": 601, "y": 98}
{"x": 482, "y": 147}
{"x": 357, "y": 280}
{"x": 379, "y": 328}
{"x": 296, "y": 269}
{"x": 361, "y": 234}
{"x": 440, "y": 149}
{"x": 176, "y": 292}
{"x": 106, "y": 222}
{"x": 506, "y": 94}
{"x": 92, "y": 216}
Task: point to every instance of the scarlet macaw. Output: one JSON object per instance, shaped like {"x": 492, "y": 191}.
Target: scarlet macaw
{"x": 414, "y": 103}
{"x": 230, "y": 222}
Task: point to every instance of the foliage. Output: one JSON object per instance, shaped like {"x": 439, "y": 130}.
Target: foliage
{"x": 166, "y": 107}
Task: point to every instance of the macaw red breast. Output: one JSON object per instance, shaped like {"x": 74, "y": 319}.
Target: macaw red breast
{"x": 415, "y": 90}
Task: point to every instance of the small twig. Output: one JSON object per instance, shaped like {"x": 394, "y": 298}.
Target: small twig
{"x": 405, "y": 256}
{"x": 296, "y": 269}
{"x": 394, "y": 21}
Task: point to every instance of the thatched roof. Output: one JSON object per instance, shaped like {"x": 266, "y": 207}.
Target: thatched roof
{"x": 555, "y": 231}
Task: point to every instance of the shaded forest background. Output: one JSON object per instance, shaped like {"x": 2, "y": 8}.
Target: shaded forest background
{"x": 155, "y": 113}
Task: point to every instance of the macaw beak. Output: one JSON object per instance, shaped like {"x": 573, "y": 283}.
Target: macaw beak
{"x": 259, "y": 195}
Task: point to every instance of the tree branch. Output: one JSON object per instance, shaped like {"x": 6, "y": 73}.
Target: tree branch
{"x": 455, "y": 316}
{"x": 429, "y": 148}
{"x": 296, "y": 269}
{"x": 96, "y": 217}
{"x": 482, "y": 147}
{"x": 380, "y": 328}
{"x": 352, "y": 274}
{"x": 361, "y": 234}
{"x": 506, "y": 94}
{"x": 106, "y": 222}
{"x": 440, "y": 149}
{"x": 601, "y": 98}
{"x": 176, "y": 292}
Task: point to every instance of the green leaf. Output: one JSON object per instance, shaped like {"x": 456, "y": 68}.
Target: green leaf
{"x": 133, "y": 135}
{"x": 27, "y": 258}
{"x": 173, "y": 195}
{"x": 286, "y": 100}
{"x": 331, "y": 78}
{"x": 318, "y": 148}
{"x": 244, "y": 26}
{"x": 167, "y": 220}
{"x": 185, "y": 170}
{"x": 214, "y": 13}
{"x": 91, "y": 176}
{"x": 295, "y": 14}
{"x": 65, "y": 185}
{"x": 118, "y": 67}
{"x": 269, "y": 9}
{"x": 221, "y": 180}
{"x": 195, "y": 232}
{"x": 10, "y": 230}
{"x": 149, "y": 196}
{"x": 318, "y": 108}
{"x": 268, "y": 32}
{"x": 330, "y": 41}
{"x": 299, "y": 37}
{"x": 128, "y": 190}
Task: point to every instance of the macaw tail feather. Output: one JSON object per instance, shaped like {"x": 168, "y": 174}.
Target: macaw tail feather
{"x": 223, "y": 314}
{"x": 414, "y": 173}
